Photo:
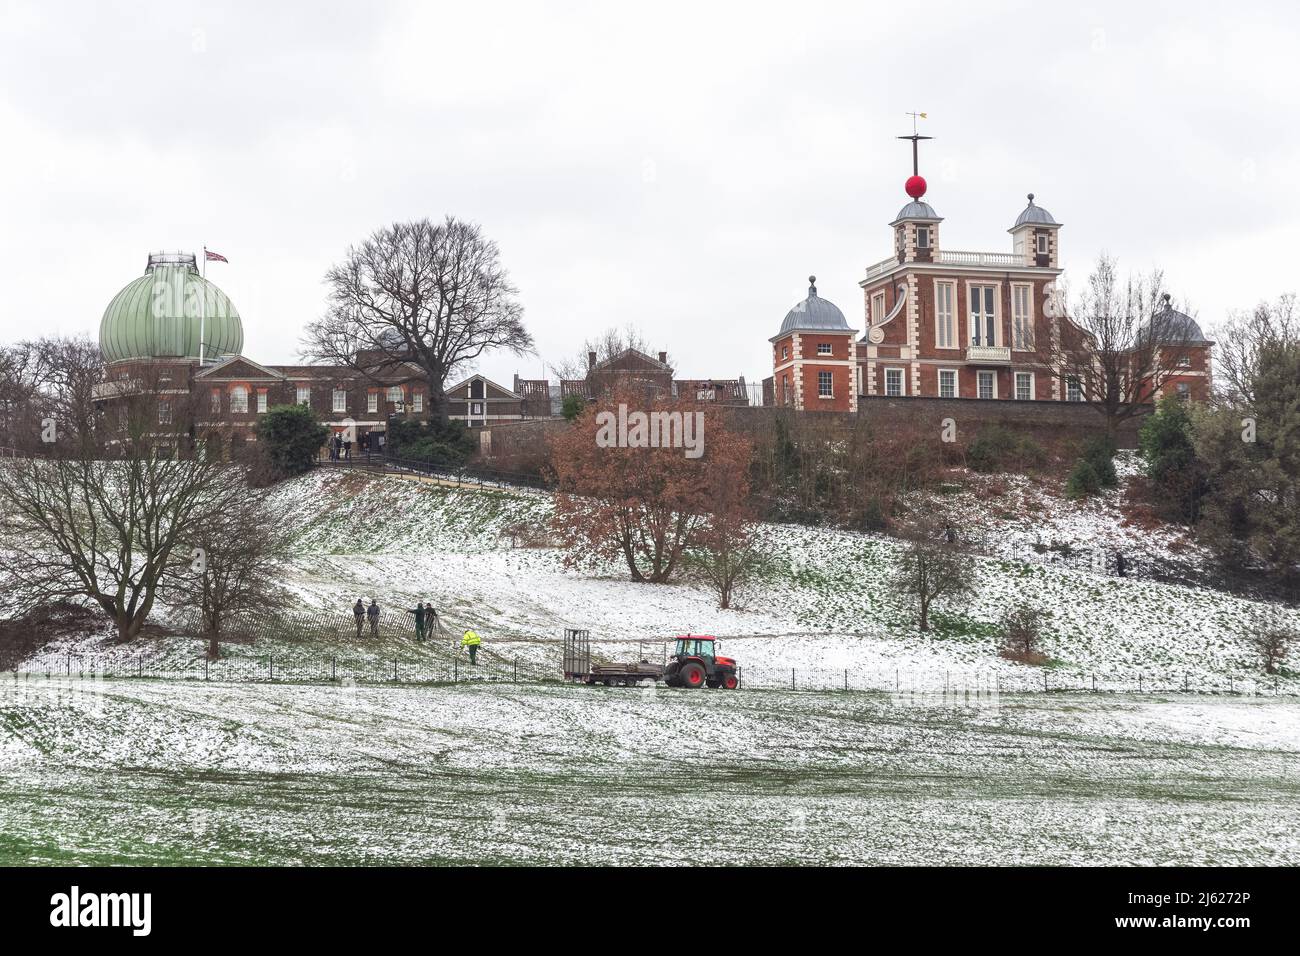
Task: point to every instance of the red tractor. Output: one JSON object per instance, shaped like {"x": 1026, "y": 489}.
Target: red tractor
{"x": 696, "y": 663}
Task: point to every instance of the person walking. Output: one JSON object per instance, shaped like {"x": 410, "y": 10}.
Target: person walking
{"x": 359, "y": 612}
{"x": 471, "y": 642}
{"x": 372, "y": 612}
{"x": 347, "y": 449}
{"x": 419, "y": 620}
{"x": 431, "y": 623}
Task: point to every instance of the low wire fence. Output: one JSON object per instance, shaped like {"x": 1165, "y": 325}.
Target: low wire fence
{"x": 281, "y": 669}
{"x": 466, "y": 476}
{"x": 976, "y": 684}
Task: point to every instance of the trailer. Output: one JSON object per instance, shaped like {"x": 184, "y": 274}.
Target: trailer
{"x": 579, "y": 668}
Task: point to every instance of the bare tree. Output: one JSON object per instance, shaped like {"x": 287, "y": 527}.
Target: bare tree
{"x": 1132, "y": 341}
{"x": 1021, "y": 634}
{"x": 103, "y": 516}
{"x": 235, "y": 557}
{"x": 609, "y": 344}
{"x": 1241, "y": 340}
{"x": 50, "y": 379}
{"x": 727, "y": 553}
{"x": 1272, "y": 642}
{"x": 931, "y": 569}
{"x": 418, "y": 299}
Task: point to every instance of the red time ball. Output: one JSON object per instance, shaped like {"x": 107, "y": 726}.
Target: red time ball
{"x": 915, "y": 186}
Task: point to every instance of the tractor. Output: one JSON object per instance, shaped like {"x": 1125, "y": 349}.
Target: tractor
{"x": 696, "y": 663}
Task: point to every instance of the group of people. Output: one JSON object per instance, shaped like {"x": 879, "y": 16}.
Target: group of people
{"x": 426, "y": 624}
{"x": 340, "y": 448}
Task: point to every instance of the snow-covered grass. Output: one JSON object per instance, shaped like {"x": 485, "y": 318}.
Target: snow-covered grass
{"x": 145, "y": 772}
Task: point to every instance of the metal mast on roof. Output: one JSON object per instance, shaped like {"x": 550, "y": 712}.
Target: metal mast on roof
{"x": 915, "y": 138}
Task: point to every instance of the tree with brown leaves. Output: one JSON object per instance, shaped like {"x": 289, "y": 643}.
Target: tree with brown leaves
{"x": 628, "y": 488}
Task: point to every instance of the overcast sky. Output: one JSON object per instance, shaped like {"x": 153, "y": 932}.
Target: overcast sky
{"x": 679, "y": 168}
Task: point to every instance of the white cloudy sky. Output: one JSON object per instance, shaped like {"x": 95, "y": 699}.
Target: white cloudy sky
{"x": 681, "y": 168}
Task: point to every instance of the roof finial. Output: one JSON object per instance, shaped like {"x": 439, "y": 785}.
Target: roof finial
{"x": 1031, "y": 199}
{"x": 1166, "y": 297}
{"x": 812, "y": 285}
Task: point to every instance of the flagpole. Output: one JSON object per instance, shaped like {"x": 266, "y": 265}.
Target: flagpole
{"x": 203, "y": 304}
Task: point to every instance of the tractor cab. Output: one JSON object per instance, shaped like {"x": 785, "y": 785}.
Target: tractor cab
{"x": 696, "y": 662}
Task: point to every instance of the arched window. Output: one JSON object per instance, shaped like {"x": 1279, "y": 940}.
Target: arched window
{"x": 239, "y": 400}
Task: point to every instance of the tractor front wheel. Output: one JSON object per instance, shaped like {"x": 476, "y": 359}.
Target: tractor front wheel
{"x": 731, "y": 682}
{"x": 691, "y": 675}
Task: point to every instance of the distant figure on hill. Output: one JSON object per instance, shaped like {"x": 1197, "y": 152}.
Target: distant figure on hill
{"x": 359, "y": 612}
{"x": 431, "y": 623}
{"x": 372, "y": 612}
{"x": 419, "y": 620}
{"x": 471, "y": 642}
{"x": 1121, "y": 565}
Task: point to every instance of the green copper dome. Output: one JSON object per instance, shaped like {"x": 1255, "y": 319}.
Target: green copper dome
{"x": 159, "y": 315}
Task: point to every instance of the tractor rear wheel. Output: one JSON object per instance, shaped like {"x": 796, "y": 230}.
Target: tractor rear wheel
{"x": 691, "y": 675}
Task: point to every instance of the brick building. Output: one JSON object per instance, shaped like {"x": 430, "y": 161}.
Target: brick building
{"x": 176, "y": 336}
{"x": 946, "y": 323}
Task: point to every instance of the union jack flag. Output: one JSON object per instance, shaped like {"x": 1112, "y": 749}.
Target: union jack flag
{"x": 210, "y": 256}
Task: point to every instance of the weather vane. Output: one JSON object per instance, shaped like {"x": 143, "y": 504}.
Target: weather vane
{"x": 915, "y": 138}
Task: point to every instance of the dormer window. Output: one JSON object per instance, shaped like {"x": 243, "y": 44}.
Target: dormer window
{"x": 923, "y": 237}
{"x": 1042, "y": 243}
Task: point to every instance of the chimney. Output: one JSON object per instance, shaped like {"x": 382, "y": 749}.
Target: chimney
{"x": 591, "y": 360}
{"x": 663, "y": 358}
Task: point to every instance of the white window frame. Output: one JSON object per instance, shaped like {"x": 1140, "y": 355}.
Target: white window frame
{"x": 395, "y": 393}
{"x": 785, "y": 352}
{"x": 1016, "y": 379}
{"x": 877, "y": 307}
{"x": 476, "y": 408}
{"x": 956, "y": 383}
{"x": 1042, "y": 244}
{"x": 824, "y": 348}
{"x": 1073, "y": 383}
{"x": 261, "y": 401}
{"x": 372, "y": 402}
{"x": 164, "y": 413}
{"x": 417, "y": 402}
{"x": 302, "y": 395}
{"x": 979, "y": 385}
{"x": 981, "y": 322}
{"x": 1022, "y": 319}
{"x": 239, "y": 400}
{"x": 339, "y": 400}
{"x": 902, "y": 382}
{"x": 922, "y": 231}
{"x": 825, "y": 384}
{"x": 945, "y": 318}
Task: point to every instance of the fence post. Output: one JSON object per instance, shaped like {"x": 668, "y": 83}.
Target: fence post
{"x": 516, "y": 677}
{"x": 455, "y": 669}
{"x": 1094, "y": 683}
{"x": 272, "y": 662}
{"x": 846, "y": 678}
{"x": 1044, "y": 681}
{"x": 69, "y": 664}
{"x": 334, "y": 668}
{"x": 1139, "y": 682}
{"x": 792, "y": 678}
{"x": 897, "y": 686}
{"x": 1185, "y": 680}
{"x": 205, "y": 666}
{"x": 394, "y": 670}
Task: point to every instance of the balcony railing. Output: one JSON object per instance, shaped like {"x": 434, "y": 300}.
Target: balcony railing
{"x": 999, "y": 260}
{"x": 952, "y": 257}
{"x": 989, "y": 354}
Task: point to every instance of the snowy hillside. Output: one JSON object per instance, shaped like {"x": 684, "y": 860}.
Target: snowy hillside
{"x": 822, "y": 606}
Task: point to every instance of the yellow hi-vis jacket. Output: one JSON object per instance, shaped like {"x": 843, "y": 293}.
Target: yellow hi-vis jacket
{"x": 470, "y": 638}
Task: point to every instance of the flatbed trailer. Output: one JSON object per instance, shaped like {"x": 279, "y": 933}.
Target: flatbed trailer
{"x": 579, "y": 668}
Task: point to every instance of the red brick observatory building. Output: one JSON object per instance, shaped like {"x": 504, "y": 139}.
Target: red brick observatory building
{"x": 944, "y": 323}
